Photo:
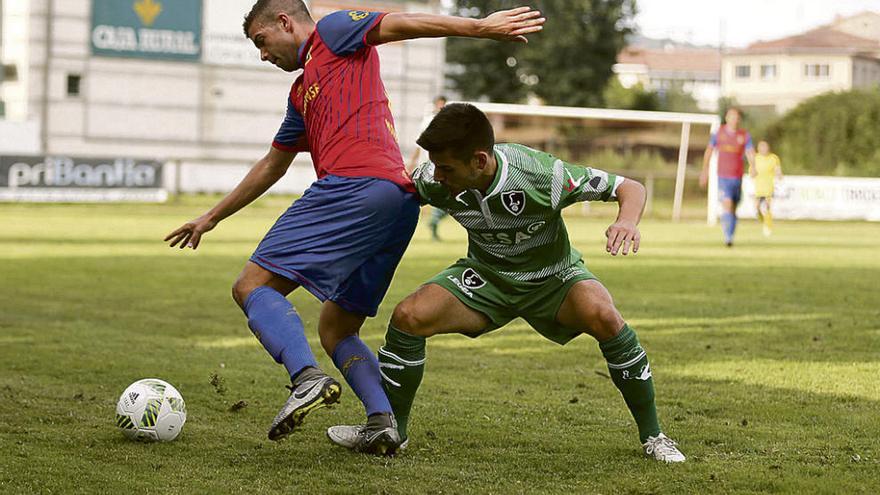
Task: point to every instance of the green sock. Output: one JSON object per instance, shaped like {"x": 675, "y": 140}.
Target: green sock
{"x": 631, "y": 373}
{"x": 402, "y": 364}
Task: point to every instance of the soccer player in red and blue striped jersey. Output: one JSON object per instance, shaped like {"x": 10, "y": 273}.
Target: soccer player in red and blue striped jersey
{"x": 343, "y": 239}
{"x": 733, "y": 144}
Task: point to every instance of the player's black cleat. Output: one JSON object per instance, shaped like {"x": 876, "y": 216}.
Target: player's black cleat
{"x": 378, "y": 437}
{"x": 314, "y": 392}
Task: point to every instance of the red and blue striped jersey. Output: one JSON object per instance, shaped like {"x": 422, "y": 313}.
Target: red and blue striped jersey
{"x": 338, "y": 108}
{"x": 732, "y": 145}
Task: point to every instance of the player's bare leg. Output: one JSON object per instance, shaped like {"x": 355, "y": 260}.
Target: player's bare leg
{"x": 253, "y": 276}
{"x": 273, "y": 320}
{"x": 335, "y": 324}
{"x": 431, "y": 310}
{"x": 588, "y": 306}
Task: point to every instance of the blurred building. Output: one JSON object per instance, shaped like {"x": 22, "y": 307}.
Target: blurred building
{"x": 693, "y": 70}
{"x": 864, "y": 25}
{"x": 172, "y": 80}
{"x": 778, "y": 74}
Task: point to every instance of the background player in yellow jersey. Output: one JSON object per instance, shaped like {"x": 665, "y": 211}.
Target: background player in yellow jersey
{"x": 765, "y": 172}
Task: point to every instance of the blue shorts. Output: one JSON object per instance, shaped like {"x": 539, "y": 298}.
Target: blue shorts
{"x": 730, "y": 188}
{"x": 342, "y": 240}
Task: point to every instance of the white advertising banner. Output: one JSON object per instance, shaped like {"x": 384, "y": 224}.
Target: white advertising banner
{"x": 818, "y": 198}
{"x": 40, "y": 178}
{"x": 222, "y": 35}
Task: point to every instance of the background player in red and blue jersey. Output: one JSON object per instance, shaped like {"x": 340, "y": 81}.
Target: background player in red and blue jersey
{"x": 344, "y": 238}
{"x": 732, "y": 144}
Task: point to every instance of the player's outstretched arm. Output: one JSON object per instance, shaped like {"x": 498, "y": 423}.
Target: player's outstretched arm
{"x": 750, "y": 157}
{"x": 704, "y": 173}
{"x": 259, "y": 179}
{"x": 504, "y": 25}
{"x": 624, "y": 233}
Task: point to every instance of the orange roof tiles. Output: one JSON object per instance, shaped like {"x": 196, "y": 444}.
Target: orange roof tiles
{"x": 677, "y": 60}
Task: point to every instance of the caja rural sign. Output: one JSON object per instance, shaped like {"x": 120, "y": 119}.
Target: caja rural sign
{"x": 160, "y": 29}
{"x": 68, "y": 179}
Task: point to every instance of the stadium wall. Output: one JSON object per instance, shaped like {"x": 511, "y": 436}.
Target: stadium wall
{"x": 221, "y": 109}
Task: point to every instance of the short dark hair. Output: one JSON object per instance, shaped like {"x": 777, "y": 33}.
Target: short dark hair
{"x": 266, "y": 10}
{"x": 460, "y": 128}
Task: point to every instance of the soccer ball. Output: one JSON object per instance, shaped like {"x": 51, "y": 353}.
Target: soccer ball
{"x": 150, "y": 410}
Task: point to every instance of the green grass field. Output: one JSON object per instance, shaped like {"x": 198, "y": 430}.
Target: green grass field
{"x": 766, "y": 359}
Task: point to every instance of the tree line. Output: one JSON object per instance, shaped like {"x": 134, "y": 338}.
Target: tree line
{"x": 570, "y": 64}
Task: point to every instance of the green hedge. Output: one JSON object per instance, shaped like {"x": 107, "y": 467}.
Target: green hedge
{"x": 831, "y": 134}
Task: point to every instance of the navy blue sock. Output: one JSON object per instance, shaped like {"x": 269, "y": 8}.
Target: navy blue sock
{"x": 728, "y": 223}
{"x": 360, "y": 368}
{"x": 276, "y": 325}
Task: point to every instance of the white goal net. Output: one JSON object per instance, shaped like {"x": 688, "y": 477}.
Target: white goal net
{"x": 653, "y": 147}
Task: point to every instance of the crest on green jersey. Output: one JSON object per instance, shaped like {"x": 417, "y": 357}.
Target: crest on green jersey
{"x": 514, "y": 201}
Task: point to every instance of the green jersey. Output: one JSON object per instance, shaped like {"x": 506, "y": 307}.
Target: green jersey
{"x": 516, "y": 228}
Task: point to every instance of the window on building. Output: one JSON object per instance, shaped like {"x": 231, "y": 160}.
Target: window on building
{"x": 768, "y": 71}
{"x": 9, "y": 72}
{"x": 743, "y": 71}
{"x": 817, "y": 71}
{"x": 73, "y": 84}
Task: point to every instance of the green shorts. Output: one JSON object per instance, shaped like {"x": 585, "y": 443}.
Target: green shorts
{"x": 501, "y": 299}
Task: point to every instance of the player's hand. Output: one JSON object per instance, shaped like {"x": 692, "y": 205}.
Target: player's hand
{"x": 511, "y": 25}
{"x": 190, "y": 233}
{"x": 704, "y": 180}
{"x": 623, "y": 234}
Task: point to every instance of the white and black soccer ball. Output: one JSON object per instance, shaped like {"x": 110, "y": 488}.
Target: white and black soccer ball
{"x": 151, "y": 410}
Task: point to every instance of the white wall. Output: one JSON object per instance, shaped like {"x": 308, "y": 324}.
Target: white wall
{"x": 15, "y": 51}
{"x": 790, "y": 86}
{"x": 19, "y": 137}
{"x": 705, "y": 91}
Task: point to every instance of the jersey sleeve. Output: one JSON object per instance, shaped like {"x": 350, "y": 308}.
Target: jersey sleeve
{"x": 291, "y": 136}
{"x": 713, "y": 140}
{"x": 430, "y": 191}
{"x": 574, "y": 183}
{"x": 345, "y": 31}
{"x": 749, "y": 145}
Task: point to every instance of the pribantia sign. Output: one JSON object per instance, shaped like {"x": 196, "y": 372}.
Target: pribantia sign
{"x": 69, "y": 179}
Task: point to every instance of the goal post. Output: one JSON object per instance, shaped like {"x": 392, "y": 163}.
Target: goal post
{"x": 685, "y": 120}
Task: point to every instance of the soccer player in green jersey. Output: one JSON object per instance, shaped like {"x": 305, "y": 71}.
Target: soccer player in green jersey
{"x": 519, "y": 264}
